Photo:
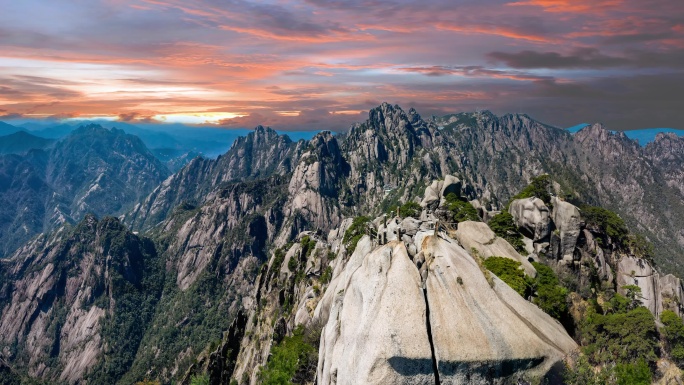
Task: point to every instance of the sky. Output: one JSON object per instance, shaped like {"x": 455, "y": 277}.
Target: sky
{"x": 322, "y": 64}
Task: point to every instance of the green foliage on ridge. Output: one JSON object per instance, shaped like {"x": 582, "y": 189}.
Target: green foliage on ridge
{"x": 502, "y": 225}
{"x": 622, "y": 335}
{"x": 673, "y": 332}
{"x": 612, "y": 224}
{"x": 460, "y": 210}
{"x": 355, "y": 232}
{"x": 539, "y": 187}
{"x": 510, "y": 272}
{"x": 293, "y": 360}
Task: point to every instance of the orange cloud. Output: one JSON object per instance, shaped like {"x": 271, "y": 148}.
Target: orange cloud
{"x": 496, "y": 30}
{"x": 570, "y": 6}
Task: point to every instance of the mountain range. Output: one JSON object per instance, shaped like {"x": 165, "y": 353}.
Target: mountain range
{"x": 469, "y": 248}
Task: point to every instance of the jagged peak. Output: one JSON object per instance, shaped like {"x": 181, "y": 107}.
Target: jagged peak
{"x": 264, "y": 130}
{"x": 90, "y": 127}
{"x": 261, "y": 134}
{"x": 667, "y": 136}
{"x": 325, "y": 144}
{"x": 378, "y": 117}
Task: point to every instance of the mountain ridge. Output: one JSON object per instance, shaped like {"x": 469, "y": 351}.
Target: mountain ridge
{"x": 251, "y": 241}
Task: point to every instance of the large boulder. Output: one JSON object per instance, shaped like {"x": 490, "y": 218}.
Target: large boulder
{"x": 396, "y": 321}
{"x": 438, "y": 190}
{"x": 376, "y": 330}
{"x": 478, "y": 236}
{"x": 567, "y": 219}
{"x": 483, "y": 331}
{"x": 432, "y": 195}
{"x": 532, "y": 217}
{"x": 451, "y": 185}
{"x": 658, "y": 292}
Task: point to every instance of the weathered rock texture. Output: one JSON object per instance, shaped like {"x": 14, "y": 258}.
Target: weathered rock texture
{"x": 658, "y": 292}
{"x": 215, "y": 222}
{"x": 532, "y": 217}
{"x": 63, "y": 291}
{"x": 478, "y": 236}
{"x": 389, "y": 324}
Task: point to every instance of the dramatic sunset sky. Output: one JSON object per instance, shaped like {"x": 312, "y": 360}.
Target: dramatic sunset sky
{"x": 321, "y": 64}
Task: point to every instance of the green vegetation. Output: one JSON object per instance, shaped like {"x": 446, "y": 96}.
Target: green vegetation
{"x": 502, "y": 225}
{"x": 613, "y": 225}
{"x": 292, "y": 264}
{"x": 539, "y": 187}
{"x": 460, "y": 210}
{"x": 278, "y": 258}
{"x": 673, "y": 332}
{"x": 622, "y": 335}
{"x": 620, "y": 343}
{"x": 641, "y": 247}
{"x": 308, "y": 246}
{"x": 635, "y": 373}
{"x": 550, "y": 295}
{"x": 200, "y": 380}
{"x": 408, "y": 209}
{"x": 510, "y": 272}
{"x": 293, "y": 360}
{"x": 327, "y": 275}
{"x": 135, "y": 281}
{"x": 355, "y": 232}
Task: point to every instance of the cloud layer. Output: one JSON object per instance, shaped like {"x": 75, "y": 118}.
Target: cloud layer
{"x": 319, "y": 64}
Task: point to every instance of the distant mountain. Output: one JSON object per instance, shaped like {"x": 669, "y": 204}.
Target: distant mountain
{"x": 93, "y": 170}
{"x": 643, "y": 136}
{"x": 22, "y": 141}
{"x": 7, "y": 129}
{"x": 260, "y": 154}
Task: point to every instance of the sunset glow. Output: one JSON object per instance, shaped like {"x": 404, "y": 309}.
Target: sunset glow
{"x": 319, "y": 64}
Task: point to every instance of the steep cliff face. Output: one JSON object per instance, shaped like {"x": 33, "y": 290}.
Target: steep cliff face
{"x": 93, "y": 170}
{"x": 499, "y": 155}
{"x": 627, "y": 182}
{"x": 388, "y": 158}
{"x": 262, "y": 153}
{"x": 317, "y": 182}
{"x": 667, "y": 153}
{"x": 66, "y": 301}
{"x": 213, "y": 254}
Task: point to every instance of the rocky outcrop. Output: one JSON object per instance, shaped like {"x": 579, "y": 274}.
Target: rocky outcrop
{"x": 389, "y": 157}
{"x": 658, "y": 292}
{"x": 478, "y": 236}
{"x": 370, "y": 318}
{"x": 64, "y": 294}
{"x": 289, "y": 290}
{"x": 567, "y": 221}
{"x": 216, "y": 223}
{"x": 316, "y": 181}
{"x": 532, "y": 218}
{"x": 438, "y": 190}
{"x": 260, "y": 154}
{"x": 484, "y": 333}
{"x": 457, "y": 329}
